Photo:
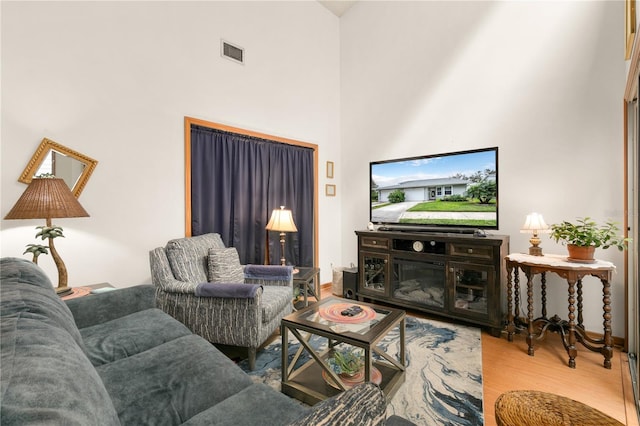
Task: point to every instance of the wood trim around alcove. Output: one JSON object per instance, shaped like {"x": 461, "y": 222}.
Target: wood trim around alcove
{"x": 630, "y": 96}
{"x": 188, "y": 121}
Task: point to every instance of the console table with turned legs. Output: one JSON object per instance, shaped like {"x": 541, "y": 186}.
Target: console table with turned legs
{"x": 570, "y": 331}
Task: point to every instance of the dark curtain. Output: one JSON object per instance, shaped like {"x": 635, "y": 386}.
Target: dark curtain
{"x": 236, "y": 182}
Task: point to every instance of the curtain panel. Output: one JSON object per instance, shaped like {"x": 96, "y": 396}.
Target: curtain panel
{"x": 238, "y": 180}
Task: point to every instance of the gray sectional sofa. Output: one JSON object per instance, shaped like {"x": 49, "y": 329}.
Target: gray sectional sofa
{"x": 115, "y": 359}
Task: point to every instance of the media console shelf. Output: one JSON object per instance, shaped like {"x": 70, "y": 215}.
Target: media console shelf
{"x": 457, "y": 276}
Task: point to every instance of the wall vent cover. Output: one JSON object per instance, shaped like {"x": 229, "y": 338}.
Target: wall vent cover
{"x": 232, "y": 52}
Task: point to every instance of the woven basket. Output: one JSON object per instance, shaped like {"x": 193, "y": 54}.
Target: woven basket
{"x": 533, "y": 408}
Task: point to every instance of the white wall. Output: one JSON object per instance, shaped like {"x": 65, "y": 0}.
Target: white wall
{"x": 114, "y": 80}
{"x": 543, "y": 81}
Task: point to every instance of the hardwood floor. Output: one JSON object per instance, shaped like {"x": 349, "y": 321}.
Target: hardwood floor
{"x": 506, "y": 366}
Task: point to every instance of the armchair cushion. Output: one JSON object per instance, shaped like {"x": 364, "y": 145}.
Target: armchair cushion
{"x": 275, "y": 300}
{"x": 240, "y": 291}
{"x": 224, "y": 266}
{"x": 189, "y": 257}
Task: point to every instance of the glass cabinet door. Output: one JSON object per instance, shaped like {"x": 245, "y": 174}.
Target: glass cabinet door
{"x": 471, "y": 288}
{"x": 420, "y": 282}
{"x": 375, "y": 272}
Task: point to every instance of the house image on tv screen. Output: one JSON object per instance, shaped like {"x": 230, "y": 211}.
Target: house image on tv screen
{"x": 454, "y": 189}
{"x": 426, "y": 189}
{"x": 430, "y": 189}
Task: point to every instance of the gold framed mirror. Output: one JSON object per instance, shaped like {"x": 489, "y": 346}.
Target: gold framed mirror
{"x": 51, "y": 157}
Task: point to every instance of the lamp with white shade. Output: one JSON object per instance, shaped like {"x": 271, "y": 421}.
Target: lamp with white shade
{"x": 535, "y": 224}
{"x": 282, "y": 221}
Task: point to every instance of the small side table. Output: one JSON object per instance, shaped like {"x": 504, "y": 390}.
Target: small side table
{"x": 85, "y": 290}
{"x": 309, "y": 280}
{"x": 570, "y": 331}
{"x": 315, "y": 380}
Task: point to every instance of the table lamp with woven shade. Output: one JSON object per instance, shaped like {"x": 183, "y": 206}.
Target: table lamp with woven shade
{"x": 49, "y": 198}
{"x": 281, "y": 220}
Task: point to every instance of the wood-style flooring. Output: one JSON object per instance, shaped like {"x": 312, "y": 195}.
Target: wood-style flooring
{"x": 506, "y": 366}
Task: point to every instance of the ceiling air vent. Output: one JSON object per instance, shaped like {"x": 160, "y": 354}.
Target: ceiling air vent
{"x": 229, "y": 51}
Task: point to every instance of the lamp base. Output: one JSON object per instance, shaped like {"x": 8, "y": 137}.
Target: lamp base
{"x": 64, "y": 291}
{"x": 535, "y": 251}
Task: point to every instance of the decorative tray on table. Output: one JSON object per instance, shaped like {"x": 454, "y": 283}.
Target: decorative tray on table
{"x": 347, "y": 313}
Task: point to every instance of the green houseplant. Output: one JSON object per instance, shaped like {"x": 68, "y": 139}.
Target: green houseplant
{"x": 585, "y": 235}
{"x": 346, "y": 362}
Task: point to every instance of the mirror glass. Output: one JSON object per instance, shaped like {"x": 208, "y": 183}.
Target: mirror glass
{"x": 62, "y": 166}
{"x": 52, "y": 158}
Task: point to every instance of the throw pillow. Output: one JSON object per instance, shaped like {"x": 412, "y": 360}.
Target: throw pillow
{"x": 188, "y": 257}
{"x": 224, "y": 266}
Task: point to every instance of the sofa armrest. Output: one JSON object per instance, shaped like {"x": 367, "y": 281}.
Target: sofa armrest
{"x": 362, "y": 405}
{"x": 242, "y": 316}
{"x": 227, "y": 290}
{"x": 103, "y": 307}
{"x": 233, "y": 307}
{"x": 269, "y": 275}
{"x": 265, "y": 283}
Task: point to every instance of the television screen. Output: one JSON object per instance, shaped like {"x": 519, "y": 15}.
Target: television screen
{"x": 451, "y": 190}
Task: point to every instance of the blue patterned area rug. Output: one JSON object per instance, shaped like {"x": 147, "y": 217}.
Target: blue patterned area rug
{"x": 443, "y": 384}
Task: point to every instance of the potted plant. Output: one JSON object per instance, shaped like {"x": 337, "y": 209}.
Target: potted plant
{"x": 346, "y": 362}
{"x": 583, "y": 237}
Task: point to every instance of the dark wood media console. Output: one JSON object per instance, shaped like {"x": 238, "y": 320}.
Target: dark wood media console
{"x": 458, "y": 276}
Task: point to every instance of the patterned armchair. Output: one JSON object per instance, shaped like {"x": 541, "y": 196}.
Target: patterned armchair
{"x": 226, "y": 311}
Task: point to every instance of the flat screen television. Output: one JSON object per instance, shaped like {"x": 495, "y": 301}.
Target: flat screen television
{"x": 449, "y": 192}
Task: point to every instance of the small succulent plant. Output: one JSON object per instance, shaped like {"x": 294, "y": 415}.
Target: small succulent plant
{"x": 346, "y": 361}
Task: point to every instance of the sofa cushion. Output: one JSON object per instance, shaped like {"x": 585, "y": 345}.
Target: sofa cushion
{"x": 189, "y": 257}
{"x": 224, "y": 266}
{"x": 103, "y": 307}
{"x": 27, "y": 290}
{"x": 174, "y": 382}
{"x": 130, "y": 335}
{"x": 274, "y": 301}
{"x": 256, "y": 405}
{"x": 47, "y": 379}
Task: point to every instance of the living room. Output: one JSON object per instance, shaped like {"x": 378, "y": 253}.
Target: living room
{"x": 542, "y": 81}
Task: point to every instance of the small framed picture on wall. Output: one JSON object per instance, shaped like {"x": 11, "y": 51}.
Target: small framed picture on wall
{"x": 330, "y": 190}
{"x": 330, "y": 169}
